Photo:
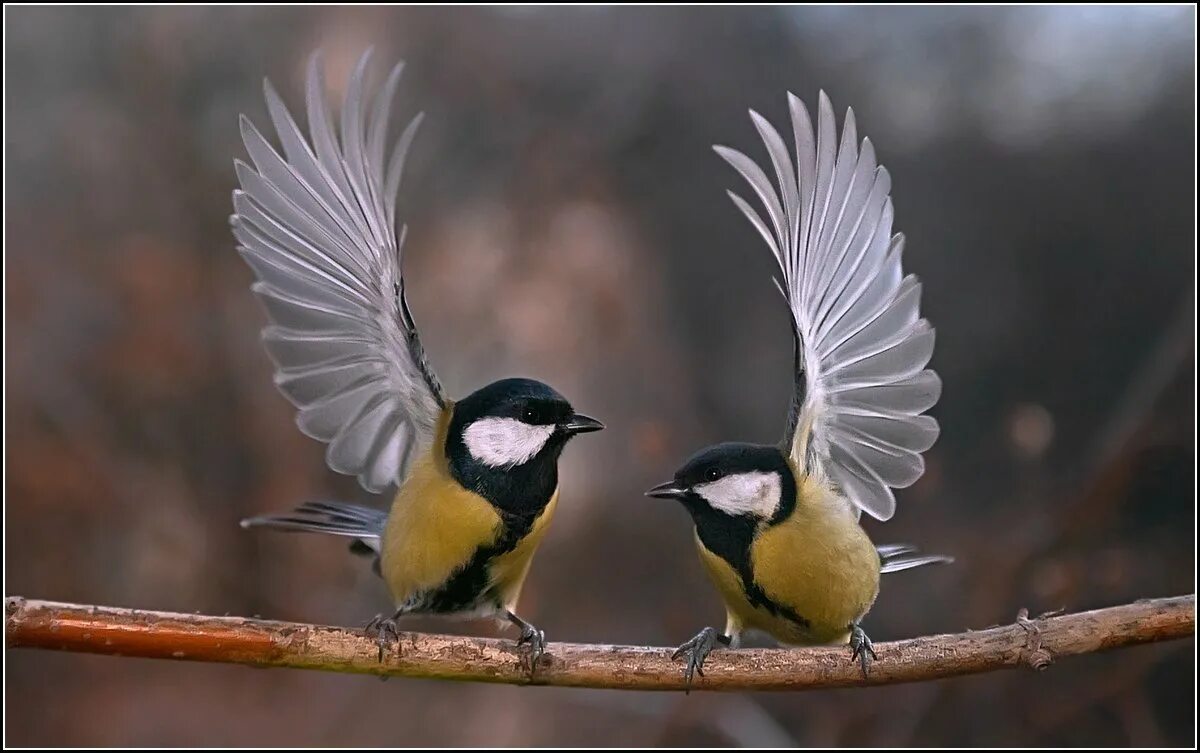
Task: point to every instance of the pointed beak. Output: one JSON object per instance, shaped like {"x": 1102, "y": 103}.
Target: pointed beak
{"x": 669, "y": 490}
{"x": 581, "y": 424}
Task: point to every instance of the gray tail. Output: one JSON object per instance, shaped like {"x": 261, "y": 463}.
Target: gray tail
{"x": 897, "y": 557}
{"x": 364, "y": 524}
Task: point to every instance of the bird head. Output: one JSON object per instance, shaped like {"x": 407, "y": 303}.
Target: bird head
{"x": 514, "y": 421}
{"x": 735, "y": 479}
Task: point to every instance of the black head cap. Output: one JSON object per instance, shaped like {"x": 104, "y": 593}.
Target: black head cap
{"x": 504, "y": 441}
{"x": 721, "y": 460}
{"x": 526, "y": 400}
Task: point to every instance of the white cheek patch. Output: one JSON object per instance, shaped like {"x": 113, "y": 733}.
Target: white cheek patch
{"x": 752, "y": 493}
{"x": 504, "y": 442}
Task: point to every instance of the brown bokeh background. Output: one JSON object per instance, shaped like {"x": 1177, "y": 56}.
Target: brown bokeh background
{"x": 568, "y": 222}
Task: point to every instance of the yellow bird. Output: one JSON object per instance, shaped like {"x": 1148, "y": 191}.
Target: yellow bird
{"x": 477, "y": 479}
{"x": 777, "y": 526}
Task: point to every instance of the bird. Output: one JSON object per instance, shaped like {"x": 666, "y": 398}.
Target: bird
{"x": 474, "y": 481}
{"x": 777, "y": 526}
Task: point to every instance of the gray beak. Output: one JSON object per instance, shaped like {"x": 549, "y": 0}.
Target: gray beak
{"x": 581, "y": 424}
{"x": 669, "y": 490}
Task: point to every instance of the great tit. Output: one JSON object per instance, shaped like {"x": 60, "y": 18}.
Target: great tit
{"x": 777, "y": 526}
{"x": 477, "y": 479}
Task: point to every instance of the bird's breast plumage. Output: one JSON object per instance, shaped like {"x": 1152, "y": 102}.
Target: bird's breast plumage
{"x": 811, "y": 575}
{"x": 507, "y": 571}
{"x": 434, "y": 530}
{"x": 447, "y": 548}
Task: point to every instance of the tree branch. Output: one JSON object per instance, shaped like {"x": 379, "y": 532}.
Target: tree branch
{"x": 1032, "y": 643}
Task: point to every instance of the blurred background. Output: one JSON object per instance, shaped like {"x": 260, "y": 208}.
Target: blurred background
{"x": 568, "y": 222}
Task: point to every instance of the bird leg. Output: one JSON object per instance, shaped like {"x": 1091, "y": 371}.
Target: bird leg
{"x": 531, "y": 635}
{"x": 384, "y": 630}
{"x": 697, "y": 650}
{"x": 860, "y": 647}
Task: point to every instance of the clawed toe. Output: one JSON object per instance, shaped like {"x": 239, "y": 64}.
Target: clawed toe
{"x": 385, "y": 631}
{"x": 531, "y": 635}
{"x": 697, "y": 650}
{"x": 860, "y": 648}
{"x": 537, "y": 644}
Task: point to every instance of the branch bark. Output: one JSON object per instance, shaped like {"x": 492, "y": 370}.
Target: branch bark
{"x": 1032, "y": 643}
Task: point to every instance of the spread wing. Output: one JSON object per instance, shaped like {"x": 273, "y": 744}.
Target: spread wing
{"x": 861, "y": 346}
{"x": 318, "y": 226}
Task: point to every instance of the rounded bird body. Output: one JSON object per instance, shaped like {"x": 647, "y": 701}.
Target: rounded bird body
{"x": 811, "y": 573}
{"x": 468, "y": 519}
{"x": 476, "y": 479}
{"x": 785, "y": 551}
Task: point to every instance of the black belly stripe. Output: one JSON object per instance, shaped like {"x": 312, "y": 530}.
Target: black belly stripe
{"x": 758, "y": 598}
{"x": 467, "y": 587}
{"x": 729, "y": 537}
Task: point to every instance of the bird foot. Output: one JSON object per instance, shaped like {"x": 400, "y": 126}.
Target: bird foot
{"x": 697, "y": 650}
{"x": 536, "y": 639}
{"x": 532, "y": 636}
{"x": 860, "y": 647}
{"x": 385, "y": 631}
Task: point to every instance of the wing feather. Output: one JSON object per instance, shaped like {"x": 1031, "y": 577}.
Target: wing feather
{"x": 861, "y": 345}
{"x": 316, "y": 222}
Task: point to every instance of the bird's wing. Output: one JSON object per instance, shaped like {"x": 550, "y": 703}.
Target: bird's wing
{"x": 861, "y": 345}
{"x": 318, "y": 226}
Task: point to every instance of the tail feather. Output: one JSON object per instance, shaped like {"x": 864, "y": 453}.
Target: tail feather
{"x": 346, "y": 513}
{"x": 897, "y": 557}
{"x": 886, "y": 551}
{"x": 364, "y": 524}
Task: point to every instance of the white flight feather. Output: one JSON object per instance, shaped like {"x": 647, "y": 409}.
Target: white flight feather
{"x": 317, "y": 225}
{"x": 863, "y": 347}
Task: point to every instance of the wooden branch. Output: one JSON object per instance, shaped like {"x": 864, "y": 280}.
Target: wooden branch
{"x": 1032, "y": 643}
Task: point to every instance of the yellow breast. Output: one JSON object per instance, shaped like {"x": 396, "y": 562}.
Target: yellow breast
{"x": 739, "y": 612}
{"x": 819, "y": 563}
{"x": 508, "y": 570}
{"x": 433, "y": 530}
{"x": 435, "y": 525}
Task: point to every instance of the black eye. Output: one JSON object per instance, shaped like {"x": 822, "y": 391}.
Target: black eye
{"x": 529, "y": 415}
{"x": 712, "y": 474}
